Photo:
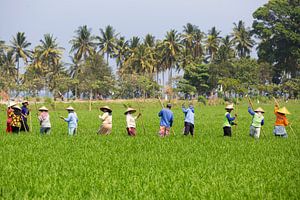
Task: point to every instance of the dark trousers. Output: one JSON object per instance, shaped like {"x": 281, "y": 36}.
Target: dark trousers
{"x": 15, "y": 129}
{"x": 188, "y": 128}
{"x": 24, "y": 126}
{"x": 227, "y": 131}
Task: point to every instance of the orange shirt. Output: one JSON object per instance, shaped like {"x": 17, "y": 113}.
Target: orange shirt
{"x": 281, "y": 119}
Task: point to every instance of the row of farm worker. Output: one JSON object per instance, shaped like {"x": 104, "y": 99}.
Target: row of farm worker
{"x": 17, "y": 120}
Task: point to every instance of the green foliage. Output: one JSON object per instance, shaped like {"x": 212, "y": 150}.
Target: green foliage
{"x": 202, "y": 99}
{"x": 276, "y": 24}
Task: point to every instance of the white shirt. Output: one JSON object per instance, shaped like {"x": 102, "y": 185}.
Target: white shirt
{"x": 130, "y": 120}
{"x": 106, "y": 118}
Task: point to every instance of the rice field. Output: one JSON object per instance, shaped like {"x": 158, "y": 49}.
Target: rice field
{"x": 207, "y": 166}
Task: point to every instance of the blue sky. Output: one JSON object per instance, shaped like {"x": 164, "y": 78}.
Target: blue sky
{"x": 129, "y": 17}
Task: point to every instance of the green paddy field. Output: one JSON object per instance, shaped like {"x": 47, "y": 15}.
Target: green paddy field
{"x": 208, "y": 166}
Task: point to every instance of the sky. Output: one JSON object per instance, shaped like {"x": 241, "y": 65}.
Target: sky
{"x": 129, "y": 17}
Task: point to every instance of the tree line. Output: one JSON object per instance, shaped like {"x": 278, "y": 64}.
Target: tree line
{"x": 210, "y": 63}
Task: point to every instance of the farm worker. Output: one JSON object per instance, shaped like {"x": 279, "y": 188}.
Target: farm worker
{"x": 130, "y": 120}
{"x": 228, "y": 120}
{"x": 16, "y": 119}
{"x": 9, "y": 113}
{"x": 257, "y": 121}
{"x": 281, "y": 121}
{"x": 72, "y": 120}
{"x": 106, "y": 119}
{"x": 188, "y": 119}
{"x": 166, "y": 120}
{"x": 25, "y": 114}
{"x": 44, "y": 120}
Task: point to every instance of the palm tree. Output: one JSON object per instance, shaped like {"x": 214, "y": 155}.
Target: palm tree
{"x": 121, "y": 51}
{"x": 19, "y": 47}
{"x": 149, "y": 40}
{"x": 74, "y": 70}
{"x": 242, "y": 39}
{"x": 8, "y": 72}
{"x": 83, "y": 43}
{"x": 212, "y": 42}
{"x": 107, "y": 41}
{"x": 226, "y": 51}
{"x": 171, "y": 50}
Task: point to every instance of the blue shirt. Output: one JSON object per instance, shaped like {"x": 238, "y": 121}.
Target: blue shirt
{"x": 166, "y": 117}
{"x": 253, "y": 113}
{"x": 72, "y": 120}
{"x": 25, "y": 112}
{"x": 189, "y": 114}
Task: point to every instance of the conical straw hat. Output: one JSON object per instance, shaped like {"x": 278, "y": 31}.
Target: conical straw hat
{"x": 25, "y": 101}
{"x": 259, "y": 109}
{"x": 70, "y": 108}
{"x": 17, "y": 107}
{"x": 105, "y": 108}
{"x": 130, "y": 110}
{"x": 283, "y": 110}
{"x": 11, "y": 104}
{"x": 43, "y": 108}
{"x": 229, "y": 107}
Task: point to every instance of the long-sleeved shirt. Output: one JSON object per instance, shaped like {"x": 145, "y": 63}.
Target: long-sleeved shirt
{"x": 130, "y": 120}
{"x": 166, "y": 117}
{"x": 72, "y": 120}
{"x": 228, "y": 120}
{"x": 189, "y": 114}
{"x": 256, "y": 118}
{"x": 281, "y": 119}
{"x": 25, "y": 113}
{"x": 44, "y": 119}
{"x": 106, "y": 118}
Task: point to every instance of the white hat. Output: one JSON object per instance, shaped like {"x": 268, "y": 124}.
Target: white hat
{"x": 70, "y": 108}
{"x": 130, "y": 110}
{"x": 11, "y": 104}
{"x": 43, "y": 108}
{"x": 229, "y": 107}
{"x": 259, "y": 109}
{"x": 105, "y": 108}
{"x": 17, "y": 107}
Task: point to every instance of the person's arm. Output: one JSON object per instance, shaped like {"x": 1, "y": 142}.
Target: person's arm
{"x": 184, "y": 109}
{"x": 160, "y": 113}
{"x": 171, "y": 120}
{"x": 285, "y": 121}
{"x": 262, "y": 122}
{"x": 250, "y": 111}
{"x": 68, "y": 118}
{"x": 230, "y": 119}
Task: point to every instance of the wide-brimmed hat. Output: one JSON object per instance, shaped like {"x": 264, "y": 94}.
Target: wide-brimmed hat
{"x": 43, "y": 108}
{"x": 229, "y": 107}
{"x": 17, "y": 107}
{"x": 105, "y": 108}
{"x": 25, "y": 101}
{"x": 283, "y": 110}
{"x": 70, "y": 108}
{"x": 11, "y": 104}
{"x": 259, "y": 109}
{"x": 130, "y": 110}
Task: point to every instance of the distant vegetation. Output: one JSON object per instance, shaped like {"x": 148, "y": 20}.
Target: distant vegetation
{"x": 211, "y": 64}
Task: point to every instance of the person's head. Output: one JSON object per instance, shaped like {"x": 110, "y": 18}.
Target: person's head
{"x": 106, "y": 109}
{"x": 259, "y": 111}
{"x": 191, "y": 105}
{"x": 229, "y": 108}
{"x": 43, "y": 109}
{"x": 169, "y": 105}
{"x": 130, "y": 111}
{"x": 70, "y": 109}
{"x": 17, "y": 109}
{"x": 283, "y": 111}
{"x": 25, "y": 103}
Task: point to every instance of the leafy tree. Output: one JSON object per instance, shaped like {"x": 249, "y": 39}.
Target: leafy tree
{"x": 107, "y": 41}
{"x": 226, "y": 51}
{"x": 276, "y": 24}
{"x": 20, "y": 49}
{"x": 83, "y": 43}
{"x": 212, "y": 42}
{"x": 122, "y": 51}
{"x": 8, "y": 72}
{"x": 242, "y": 39}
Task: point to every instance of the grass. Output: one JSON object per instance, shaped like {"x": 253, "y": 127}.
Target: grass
{"x": 207, "y": 166}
